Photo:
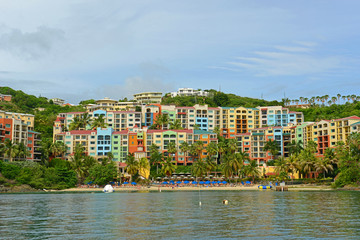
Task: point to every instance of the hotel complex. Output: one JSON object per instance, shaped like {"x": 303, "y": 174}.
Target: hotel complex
{"x": 131, "y": 131}
{"x": 19, "y": 128}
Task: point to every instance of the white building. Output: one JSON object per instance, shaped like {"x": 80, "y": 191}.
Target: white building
{"x": 189, "y": 92}
{"x": 58, "y": 101}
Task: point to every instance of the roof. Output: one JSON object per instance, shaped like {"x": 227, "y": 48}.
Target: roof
{"x": 74, "y": 112}
{"x": 121, "y": 132}
{"x": 357, "y": 123}
{"x": 349, "y": 118}
{"x": 79, "y": 132}
{"x": 122, "y": 164}
{"x": 186, "y": 107}
{"x": 33, "y": 132}
{"x": 123, "y": 112}
{"x": 203, "y": 132}
{"x": 173, "y": 130}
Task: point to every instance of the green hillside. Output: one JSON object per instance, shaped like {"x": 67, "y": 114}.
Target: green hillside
{"x": 45, "y": 112}
{"x": 216, "y": 99}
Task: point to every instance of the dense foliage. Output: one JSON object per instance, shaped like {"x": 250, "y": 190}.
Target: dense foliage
{"x": 58, "y": 175}
{"x": 319, "y": 112}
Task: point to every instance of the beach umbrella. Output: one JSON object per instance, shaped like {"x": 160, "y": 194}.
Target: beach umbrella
{"x": 178, "y": 182}
{"x": 224, "y": 182}
{"x": 125, "y": 183}
{"x": 207, "y": 182}
{"x": 165, "y": 183}
{"x": 158, "y": 178}
{"x": 248, "y": 182}
{"x": 201, "y": 182}
{"x": 133, "y": 183}
{"x": 194, "y": 182}
{"x": 213, "y": 182}
{"x": 172, "y": 182}
{"x": 186, "y": 182}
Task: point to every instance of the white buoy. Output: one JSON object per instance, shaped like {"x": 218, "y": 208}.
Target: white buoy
{"x": 226, "y": 202}
{"x": 199, "y": 203}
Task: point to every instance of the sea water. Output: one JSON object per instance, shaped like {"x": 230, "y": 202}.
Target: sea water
{"x": 177, "y": 215}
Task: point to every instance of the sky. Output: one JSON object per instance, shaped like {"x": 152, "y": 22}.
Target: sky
{"x": 91, "y": 49}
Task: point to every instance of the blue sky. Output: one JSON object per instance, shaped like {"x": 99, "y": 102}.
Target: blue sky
{"x": 78, "y": 50}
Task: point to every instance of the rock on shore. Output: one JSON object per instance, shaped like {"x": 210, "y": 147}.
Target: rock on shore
{"x": 18, "y": 189}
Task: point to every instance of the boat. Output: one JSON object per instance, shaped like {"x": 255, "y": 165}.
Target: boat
{"x": 108, "y": 189}
{"x": 264, "y": 187}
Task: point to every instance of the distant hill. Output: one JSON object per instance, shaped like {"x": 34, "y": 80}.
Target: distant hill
{"x": 217, "y": 99}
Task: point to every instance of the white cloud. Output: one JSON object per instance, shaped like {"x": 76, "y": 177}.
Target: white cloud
{"x": 29, "y": 45}
{"x": 289, "y": 61}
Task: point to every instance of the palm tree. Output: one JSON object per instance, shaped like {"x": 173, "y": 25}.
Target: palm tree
{"x": 172, "y": 149}
{"x": 86, "y": 120}
{"x": 58, "y": 148}
{"x": 99, "y": 122}
{"x": 144, "y": 167}
{"x": 281, "y": 165}
{"x": 227, "y": 166}
{"x": 222, "y": 147}
{"x": 184, "y": 147}
{"x": 176, "y": 124}
{"x": 77, "y": 162}
{"x": 155, "y": 155}
{"x": 196, "y": 149}
{"x": 323, "y": 165}
{"x": 10, "y": 149}
{"x": 217, "y": 131}
{"x": 167, "y": 166}
{"x": 132, "y": 165}
{"x": 307, "y": 160}
{"x": 338, "y": 97}
{"x": 210, "y": 164}
{"x": 232, "y": 145}
{"x": 161, "y": 120}
{"x": 21, "y": 151}
{"x": 330, "y": 156}
{"x": 292, "y": 163}
{"x": 252, "y": 170}
{"x": 295, "y": 147}
{"x": 211, "y": 149}
{"x": 199, "y": 168}
{"x": 272, "y": 147}
{"x": 76, "y": 124}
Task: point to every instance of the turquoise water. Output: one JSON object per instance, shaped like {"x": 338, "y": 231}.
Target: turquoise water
{"x": 177, "y": 215}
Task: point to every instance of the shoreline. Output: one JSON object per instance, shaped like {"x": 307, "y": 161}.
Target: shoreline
{"x": 192, "y": 188}
{"x": 302, "y": 187}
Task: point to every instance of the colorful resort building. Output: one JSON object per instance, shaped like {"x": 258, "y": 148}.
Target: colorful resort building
{"x": 97, "y": 143}
{"x": 133, "y": 131}
{"x": 19, "y": 128}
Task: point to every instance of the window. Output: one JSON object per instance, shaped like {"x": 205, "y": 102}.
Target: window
{"x": 7, "y": 125}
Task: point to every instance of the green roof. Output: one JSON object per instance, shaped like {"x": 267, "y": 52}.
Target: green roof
{"x": 202, "y": 132}
{"x": 357, "y": 123}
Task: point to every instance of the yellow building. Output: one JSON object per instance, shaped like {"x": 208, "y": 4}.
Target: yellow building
{"x": 148, "y": 97}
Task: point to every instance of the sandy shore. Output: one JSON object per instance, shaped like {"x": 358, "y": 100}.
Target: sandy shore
{"x": 203, "y": 188}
